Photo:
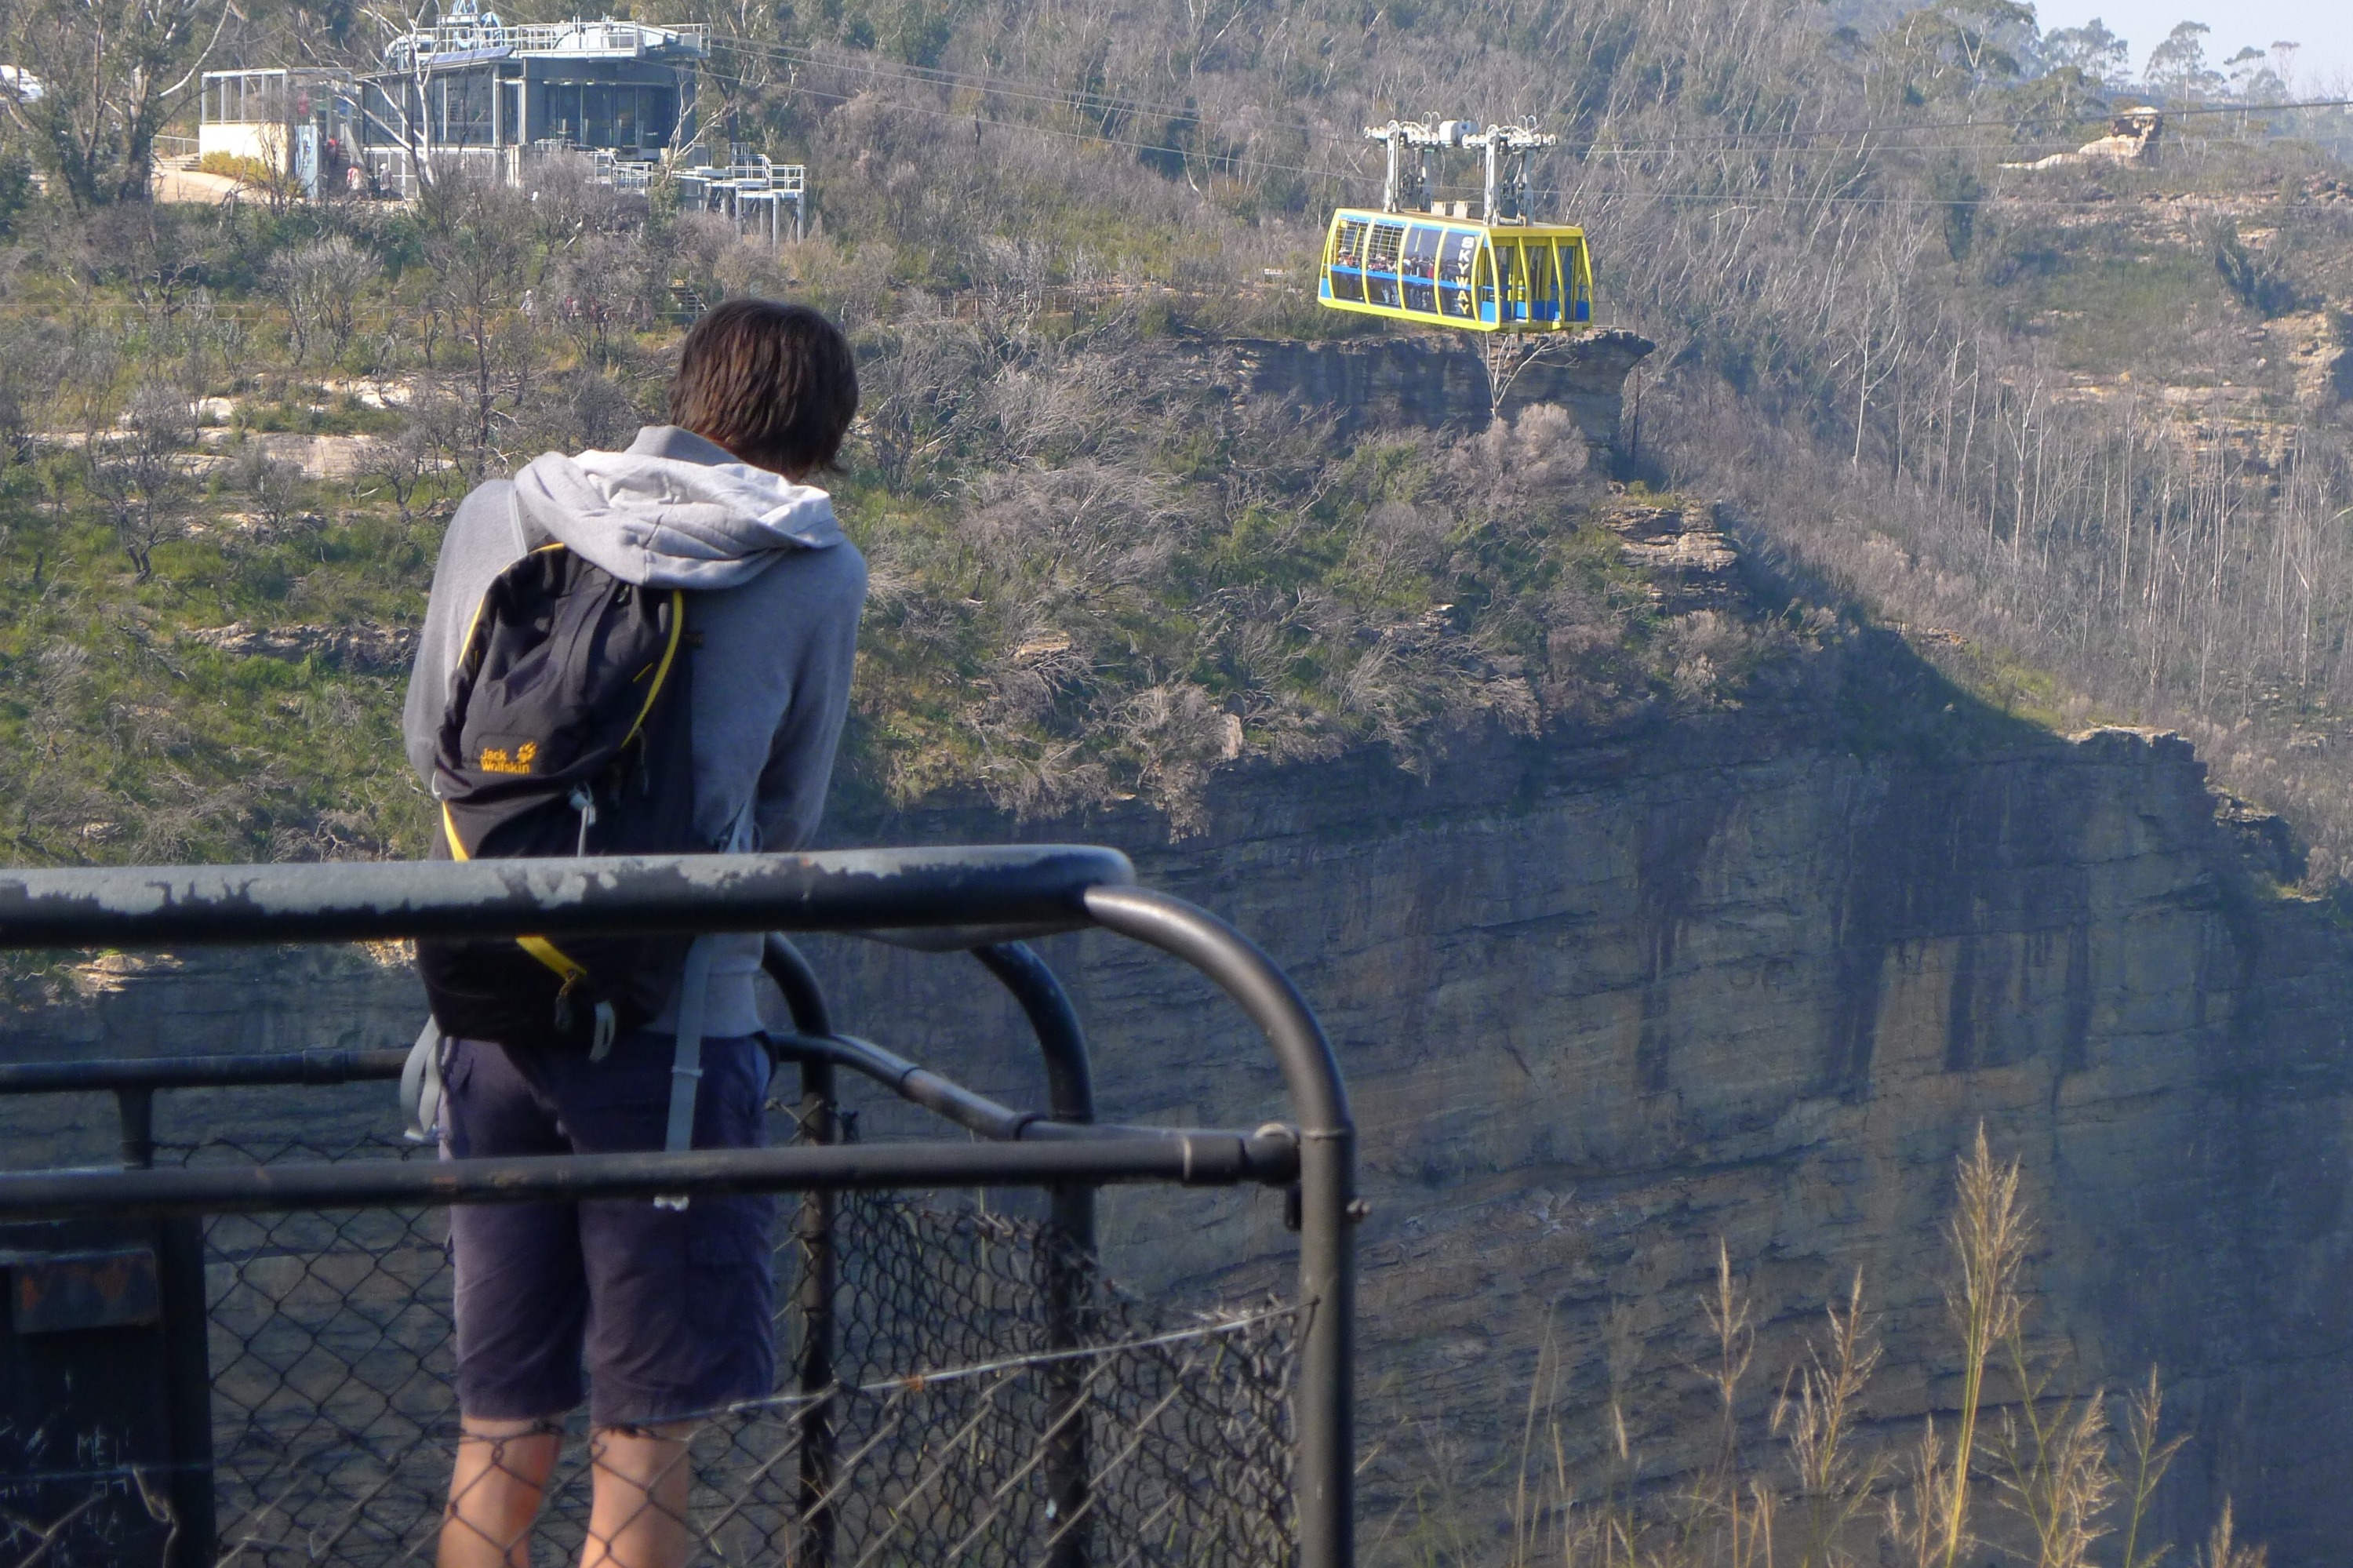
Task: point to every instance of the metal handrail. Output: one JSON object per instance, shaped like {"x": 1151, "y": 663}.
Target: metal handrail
{"x": 1328, "y": 1207}
{"x": 1070, "y": 1080}
{"x": 947, "y": 1099}
{"x": 1042, "y": 888}
{"x": 278, "y": 1067}
{"x": 1192, "y": 1158}
{"x": 815, "y": 1295}
{"x": 1071, "y": 1101}
{"x": 993, "y": 894}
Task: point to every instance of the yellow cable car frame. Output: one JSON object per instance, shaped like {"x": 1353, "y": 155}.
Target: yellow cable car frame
{"x": 1451, "y": 271}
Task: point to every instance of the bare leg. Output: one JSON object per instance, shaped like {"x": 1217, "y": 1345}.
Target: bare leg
{"x": 494, "y": 1490}
{"x": 642, "y": 1483}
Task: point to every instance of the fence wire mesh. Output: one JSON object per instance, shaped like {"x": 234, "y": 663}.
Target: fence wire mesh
{"x": 994, "y": 1399}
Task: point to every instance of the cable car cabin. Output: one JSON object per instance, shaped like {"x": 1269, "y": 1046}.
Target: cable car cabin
{"x": 1451, "y": 272}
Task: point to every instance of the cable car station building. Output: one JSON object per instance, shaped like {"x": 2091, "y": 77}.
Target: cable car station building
{"x": 294, "y": 123}
{"x": 482, "y": 95}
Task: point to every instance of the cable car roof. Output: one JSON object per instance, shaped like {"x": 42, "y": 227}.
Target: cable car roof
{"x": 1502, "y": 231}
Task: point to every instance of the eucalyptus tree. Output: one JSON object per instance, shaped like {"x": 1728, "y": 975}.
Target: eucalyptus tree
{"x": 106, "y": 74}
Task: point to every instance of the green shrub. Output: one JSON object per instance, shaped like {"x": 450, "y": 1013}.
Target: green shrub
{"x": 238, "y": 166}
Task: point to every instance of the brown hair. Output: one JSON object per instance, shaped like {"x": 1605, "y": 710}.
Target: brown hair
{"x": 774, "y": 384}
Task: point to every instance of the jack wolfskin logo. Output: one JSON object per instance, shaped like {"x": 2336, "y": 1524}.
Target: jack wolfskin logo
{"x": 496, "y": 760}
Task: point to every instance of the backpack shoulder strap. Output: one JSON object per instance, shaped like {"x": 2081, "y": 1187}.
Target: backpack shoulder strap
{"x": 686, "y": 1061}
{"x": 420, "y": 1084}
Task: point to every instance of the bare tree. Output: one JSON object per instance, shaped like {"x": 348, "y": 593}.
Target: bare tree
{"x": 272, "y": 486}
{"x": 322, "y": 282}
{"x": 476, "y": 245}
{"x": 142, "y": 476}
{"x": 404, "y": 464}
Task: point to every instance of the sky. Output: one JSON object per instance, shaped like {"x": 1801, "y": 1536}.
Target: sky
{"x": 2325, "y": 28}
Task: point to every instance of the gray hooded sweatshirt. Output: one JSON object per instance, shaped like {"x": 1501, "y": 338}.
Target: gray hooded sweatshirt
{"x": 776, "y": 593}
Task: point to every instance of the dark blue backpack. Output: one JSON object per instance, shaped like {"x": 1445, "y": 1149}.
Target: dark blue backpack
{"x": 568, "y": 732}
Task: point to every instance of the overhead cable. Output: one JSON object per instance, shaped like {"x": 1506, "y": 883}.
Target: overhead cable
{"x": 1030, "y": 90}
{"x": 1236, "y": 160}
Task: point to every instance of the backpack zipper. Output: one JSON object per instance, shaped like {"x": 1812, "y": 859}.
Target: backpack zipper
{"x": 583, "y": 803}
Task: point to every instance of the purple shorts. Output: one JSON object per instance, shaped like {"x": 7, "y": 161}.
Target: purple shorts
{"x": 671, "y": 1313}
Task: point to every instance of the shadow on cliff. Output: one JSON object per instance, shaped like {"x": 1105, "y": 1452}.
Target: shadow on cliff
{"x": 1869, "y": 689}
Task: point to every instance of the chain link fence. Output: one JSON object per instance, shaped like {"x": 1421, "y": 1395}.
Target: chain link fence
{"x": 963, "y": 1386}
{"x": 973, "y": 1360}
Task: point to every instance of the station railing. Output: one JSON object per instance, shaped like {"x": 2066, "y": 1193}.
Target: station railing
{"x": 231, "y": 1353}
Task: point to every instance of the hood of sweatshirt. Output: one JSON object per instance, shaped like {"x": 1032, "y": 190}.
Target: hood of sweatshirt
{"x": 663, "y": 515}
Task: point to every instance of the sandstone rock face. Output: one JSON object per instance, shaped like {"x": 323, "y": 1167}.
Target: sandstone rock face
{"x": 1599, "y": 1007}
{"x": 1602, "y": 1002}
{"x": 2321, "y": 360}
{"x": 1442, "y": 382}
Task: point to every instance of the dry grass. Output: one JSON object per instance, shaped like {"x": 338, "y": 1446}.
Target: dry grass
{"x": 2012, "y": 1472}
{"x": 1988, "y": 1232}
{"x": 1815, "y": 1417}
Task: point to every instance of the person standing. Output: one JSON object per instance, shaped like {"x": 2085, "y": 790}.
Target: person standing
{"x": 656, "y": 1315}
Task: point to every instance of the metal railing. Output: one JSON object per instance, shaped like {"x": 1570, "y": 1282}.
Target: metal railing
{"x": 752, "y": 189}
{"x": 475, "y": 37}
{"x": 848, "y": 1461}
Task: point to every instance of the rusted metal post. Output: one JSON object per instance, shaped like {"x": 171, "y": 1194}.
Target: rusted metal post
{"x": 1070, "y": 1242}
{"x": 187, "y": 1359}
{"x": 815, "y": 1121}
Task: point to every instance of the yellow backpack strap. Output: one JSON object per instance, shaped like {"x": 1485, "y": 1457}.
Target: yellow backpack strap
{"x": 670, "y": 657}
{"x": 539, "y": 948}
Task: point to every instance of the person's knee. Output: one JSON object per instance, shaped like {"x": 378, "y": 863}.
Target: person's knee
{"x": 498, "y": 1457}
{"x": 645, "y": 1452}
{"x": 642, "y": 1484}
{"x": 484, "y": 1429}
{"x": 652, "y": 1430}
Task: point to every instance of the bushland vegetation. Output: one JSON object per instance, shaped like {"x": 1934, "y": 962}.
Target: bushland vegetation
{"x": 1961, "y": 393}
{"x": 2054, "y": 414}
{"x": 1805, "y": 1466}
{"x": 1095, "y": 574}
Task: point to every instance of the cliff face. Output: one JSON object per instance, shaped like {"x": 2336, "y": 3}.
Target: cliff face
{"x": 1600, "y": 1005}
{"x": 1603, "y": 1002}
{"x": 1438, "y": 381}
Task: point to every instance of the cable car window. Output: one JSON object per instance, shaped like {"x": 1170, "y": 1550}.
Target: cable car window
{"x": 1348, "y": 261}
{"x": 1543, "y": 285}
{"x": 1419, "y": 269}
{"x": 1512, "y": 304}
{"x": 1349, "y": 249}
{"x": 1455, "y": 256}
{"x": 1388, "y": 240}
